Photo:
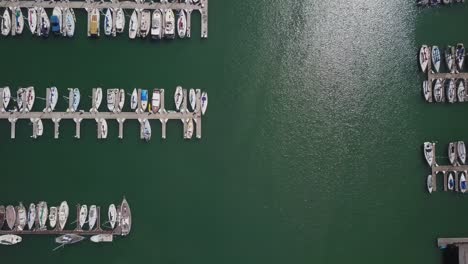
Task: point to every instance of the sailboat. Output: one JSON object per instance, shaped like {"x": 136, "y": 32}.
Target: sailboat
{"x": 112, "y": 215}
{"x": 83, "y": 215}
{"x": 111, "y": 99}
{"x": 450, "y": 182}
{"x": 63, "y": 214}
{"x": 108, "y": 22}
{"x": 189, "y": 133}
{"x": 21, "y": 217}
{"x": 461, "y": 94}
{"x": 178, "y": 97}
{"x": 10, "y": 216}
{"x": 133, "y": 99}
{"x": 204, "y": 102}
{"x": 125, "y": 222}
{"x": 429, "y": 152}
{"x": 460, "y": 56}
{"x": 438, "y": 93}
{"x": 451, "y": 93}
{"x": 463, "y": 183}
{"x": 121, "y": 101}
{"x": 182, "y": 24}
{"x": 19, "y": 98}
{"x": 429, "y": 183}
{"x": 42, "y": 213}
{"x": 92, "y": 216}
{"x": 56, "y": 20}
{"x": 53, "y": 97}
{"x": 192, "y": 99}
{"x": 436, "y": 58}
{"x": 449, "y": 52}
{"x": 2, "y": 216}
{"x": 133, "y": 28}
{"x": 119, "y": 20}
{"x": 146, "y": 130}
{"x": 6, "y": 97}
{"x": 461, "y": 151}
{"x": 70, "y": 20}
{"x": 103, "y": 131}
{"x": 144, "y": 100}
{"x": 53, "y": 216}
{"x": 6, "y": 23}
{"x": 31, "y": 216}
{"x": 19, "y": 20}
{"x": 423, "y": 57}
{"x": 30, "y": 98}
{"x": 44, "y": 23}
{"x": 156, "y": 100}
{"x": 426, "y": 92}
{"x": 32, "y": 19}
{"x": 40, "y": 127}
{"x": 98, "y": 98}
{"x": 76, "y": 99}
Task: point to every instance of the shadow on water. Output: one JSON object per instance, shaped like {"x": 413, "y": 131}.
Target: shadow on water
{"x": 450, "y": 255}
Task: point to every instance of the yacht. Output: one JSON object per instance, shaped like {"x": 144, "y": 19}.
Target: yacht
{"x": 178, "y": 97}
{"x": 63, "y": 214}
{"x": 133, "y": 99}
{"x": 429, "y": 152}
{"x": 92, "y": 216}
{"x": 438, "y": 91}
{"x": 144, "y": 100}
{"x": 102, "y": 238}
{"x": 460, "y": 56}
{"x": 53, "y": 216}
{"x": 461, "y": 92}
{"x": 182, "y": 24}
{"x": 70, "y": 20}
{"x": 108, "y": 22}
{"x": 32, "y": 19}
{"x": 9, "y": 240}
{"x": 145, "y": 23}
{"x": 19, "y": 98}
{"x": 103, "y": 133}
{"x": 169, "y": 27}
{"x": 125, "y": 222}
{"x": 53, "y": 97}
{"x": 146, "y": 130}
{"x": 423, "y": 57}
{"x": 76, "y": 96}
{"x": 19, "y": 20}
{"x": 111, "y": 99}
{"x": 436, "y": 58}
{"x": 94, "y": 23}
{"x": 451, "y": 92}
{"x": 156, "y": 29}
{"x": 44, "y": 23}
{"x": 40, "y": 127}
{"x": 426, "y": 92}
{"x": 204, "y": 102}
{"x": 98, "y": 98}
{"x": 56, "y": 20}
{"x": 133, "y": 28}
{"x": 6, "y": 23}
{"x": 68, "y": 239}
{"x": 119, "y": 20}
{"x": 461, "y": 152}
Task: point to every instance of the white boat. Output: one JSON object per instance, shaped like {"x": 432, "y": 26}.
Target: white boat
{"x": 44, "y": 23}
{"x": 451, "y": 91}
{"x": 112, "y": 215}
{"x": 31, "y": 216}
{"x": 21, "y": 217}
{"x": 438, "y": 91}
{"x": 19, "y": 98}
{"x": 146, "y": 130}
{"x": 98, "y": 98}
{"x": 92, "y": 216}
{"x": 192, "y": 99}
{"x": 429, "y": 183}
{"x": 119, "y": 20}
{"x": 426, "y": 92}
{"x": 69, "y": 239}
{"x": 429, "y": 152}
{"x": 182, "y": 24}
{"x": 40, "y": 127}
{"x": 53, "y": 216}
{"x": 156, "y": 100}
{"x": 461, "y": 152}
{"x": 463, "y": 183}
{"x": 6, "y": 97}
{"x": 53, "y": 97}
{"x": 6, "y": 23}
{"x": 108, "y": 22}
{"x": 69, "y": 23}
{"x": 145, "y": 23}
{"x": 103, "y": 129}
{"x": 125, "y": 222}
{"x": 30, "y": 98}
{"x": 133, "y": 28}
{"x": 19, "y": 20}
{"x": 436, "y": 58}
{"x": 2, "y": 216}
{"x": 10, "y": 216}
{"x": 83, "y": 215}
{"x": 449, "y": 53}
{"x": 169, "y": 27}
{"x": 121, "y": 100}
{"x": 156, "y": 29}
{"x": 450, "y": 182}
{"x": 461, "y": 92}
{"x": 423, "y": 57}
{"x": 32, "y": 19}
{"x": 76, "y": 99}
{"x": 204, "y": 102}
{"x": 111, "y": 99}
{"x": 9, "y": 240}
{"x": 42, "y": 213}
{"x": 56, "y": 20}
{"x": 189, "y": 133}
{"x": 133, "y": 99}
{"x": 144, "y": 100}
{"x": 178, "y": 97}
{"x": 460, "y": 56}
{"x": 102, "y": 238}
{"x": 63, "y": 214}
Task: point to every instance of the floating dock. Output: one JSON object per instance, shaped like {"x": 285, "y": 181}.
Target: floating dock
{"x": 461, "y": 243}
{"x": 188, "y": 6}
{"x": 445, "y": 170}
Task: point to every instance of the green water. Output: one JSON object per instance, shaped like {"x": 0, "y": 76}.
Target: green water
{"x": 311, "y": 148}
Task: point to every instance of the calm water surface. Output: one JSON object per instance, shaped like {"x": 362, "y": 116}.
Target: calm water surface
{"x": 311, "y": 149}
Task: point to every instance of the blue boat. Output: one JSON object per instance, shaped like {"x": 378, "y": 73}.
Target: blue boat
{"x": 144, "y": 99}
{"x": 54, "y": 20}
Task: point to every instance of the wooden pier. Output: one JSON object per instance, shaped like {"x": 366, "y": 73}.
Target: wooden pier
{"x": 188, "y": 6}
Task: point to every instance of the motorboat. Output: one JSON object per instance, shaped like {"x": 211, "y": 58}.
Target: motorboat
{"x": 145, "y": 23}
{"x": 111, "y": 94}
{"x": 426, "y": 92}
{"x": 112, "y": 215}
{"x": 83, "y": 215}
{"x": 102, "y": 238}
{"x": 19, "y": 20}
{"x": 450, "y": 181}
{"x": 6, "y": 97}
{"x": 461, "y": 94}
{"x": 98, "y": 98}
{"x": 69, "y": 21}
{"x": 30, "y": 98}
{"x": 423, "y": 57}
{"x": 169, "y": 26}
{"x": 133, "y": 99}
{"x": 429, "y": 183}
{"x": 178, "y": 97}
{"x": 119, "y": 20}
{"x": 156, "y": 100}
{"x": 182, "y": 24}
{"x": 125, "y": 222}
{"x": 192, "y": 99}
{"x": 429, "y": 152}
{"x": 438, "y": 91}
{"x": 53, "y": 97}
{"x": 42, "y": 213}
{"x": 461, "y": 152}
{"x": 204, "y": 102}
{"x": 9, "y": 240}
{"x": 146, "y": 130}
{"x": 133, "y": 28}
{"x": 21, "y": 217}
{"x": 32, "y": 19}
{"x": 63, "y": 214}
{"x": 144, "y": 100}
{"x": 121, "y": 101}
{"x": 451, "y": 92}
{"x": 76, "y": 99}
{"x": 463, "y": 183}
{"x": 92, "y": 216}
{"x": 2, "y": 216}
{"x": 436, "y": 58}
{"x": 6, "y": 23}
{"x": 53, "y": 216}
{"x": 460, "y": 56}
{"x": 56, "y": 20}
{"x": 44, "y": 23}
{"x": 31, "y": 216}
{"x": 156, "y": 22}
{"x": 449, "y": 53}
{"x": 40, "y": 127}
{"x": 68, "y": 239}
{"x": 93, "y": 23}
{"x": 19, "y": 98}
{"x": 10, "y": 216}
{"x": 103, "y": 131}
{"x": 189, "y": 133}
{"x": 108, "y": 22}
